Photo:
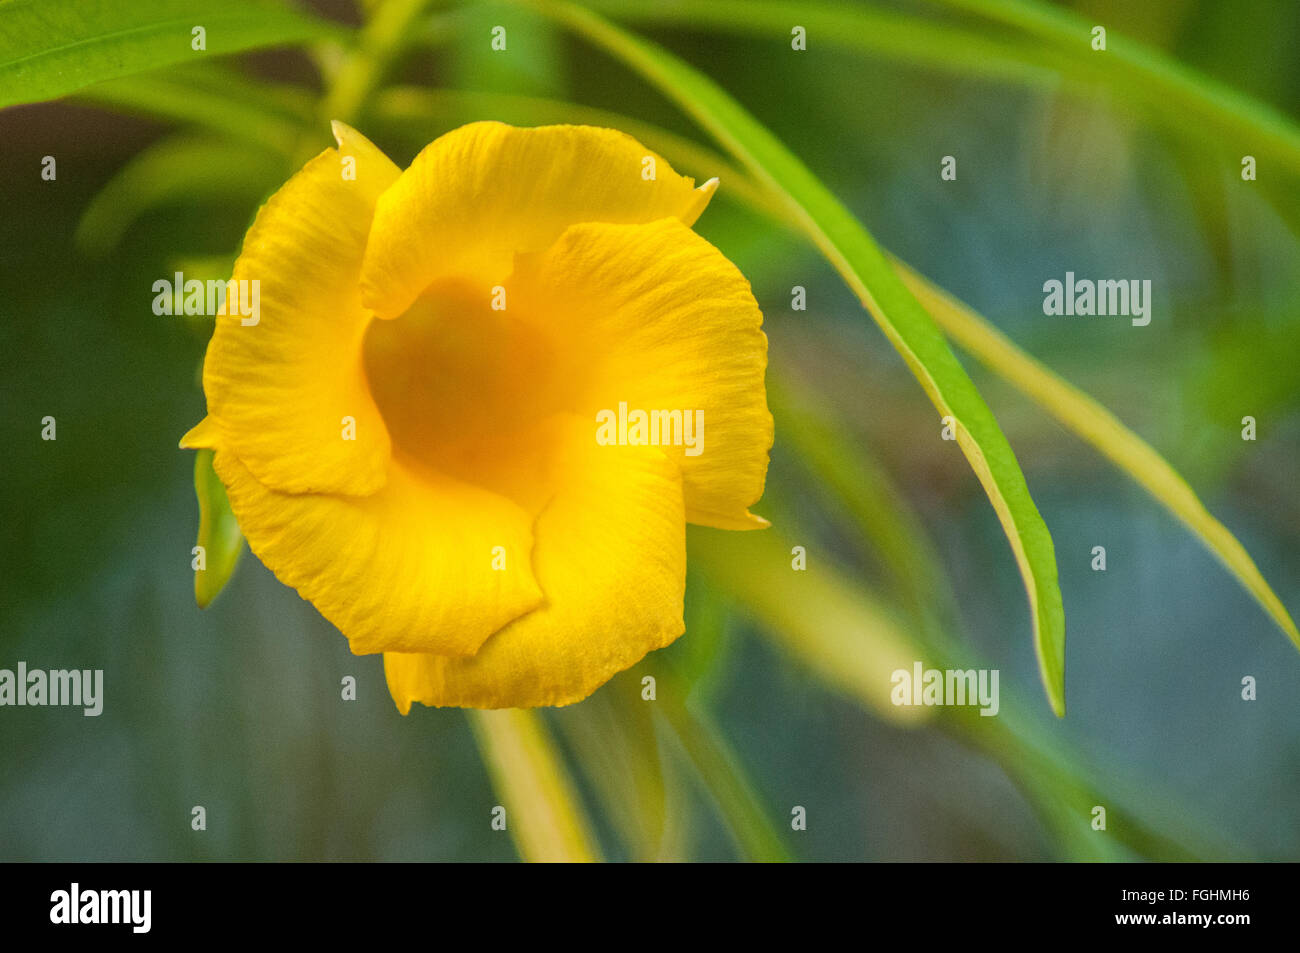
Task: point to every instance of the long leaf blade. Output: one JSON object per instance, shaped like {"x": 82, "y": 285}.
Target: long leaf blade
{"x": 613, "y": 737}
{"x": 272, "y": 118}
{"x": 859, "y": 260}
{"x": 853, "y": 641}
{"x": 1095, "y": 424}
{"x": 1158, "y": 82}
{"x": 179, "y": 168}
{"x": 721, "y": 773}
{"x": 54, "y": 47}
{"x": 543, "y": 814}
{"x": 875, "y": 31}
{"x": 1045, "y": 45}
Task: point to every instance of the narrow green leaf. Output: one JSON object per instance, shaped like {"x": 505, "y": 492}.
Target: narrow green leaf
{"x": 864, "y": 267}
{"x": 269, "y": 116}
{"x": 700, "y": 658}
{"x": 1148, "y": 77}
{"x": 852, "y": 641}
{"x": 367, "y": 61}
{"x": 874, "y": 30}
{"x": 178, "y": 169}
{"x": 220, "y": 540}
{"x": 543, "y": 814}
{"x": 720, "y": 771}
{"x": 1095, "y": 424}
{"x": 49, "y": 48}
{"x": 616, "y": 745}
{"x": 1048, "y": 43}
{"x": 847, "y": 472}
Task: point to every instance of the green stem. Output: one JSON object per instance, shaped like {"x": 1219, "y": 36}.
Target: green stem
{"x": 543, "y": 813}
{"x": 364, "y": 67}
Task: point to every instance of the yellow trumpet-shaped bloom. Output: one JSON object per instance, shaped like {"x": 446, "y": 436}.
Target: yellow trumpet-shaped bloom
{"x": 431, "y": 428}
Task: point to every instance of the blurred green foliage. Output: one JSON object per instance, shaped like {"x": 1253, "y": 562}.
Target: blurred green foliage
{"x": 767, "y": 703}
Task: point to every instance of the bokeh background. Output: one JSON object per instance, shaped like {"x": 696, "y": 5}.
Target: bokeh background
{"x": 237, "y": 707}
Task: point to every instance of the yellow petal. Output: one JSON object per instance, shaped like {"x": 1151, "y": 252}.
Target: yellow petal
{"x": 610, "y": 555}
{"x": 281, "y": 388}
{"x": 477, "y": 195}
{"x": 202, "y": 436}
{"x": 659, "y": 320}
{"x": 408, "y": 568}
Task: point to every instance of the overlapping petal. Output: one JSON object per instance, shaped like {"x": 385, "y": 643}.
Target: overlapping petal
{"x": 279, "y": 389}
{"x": 658, "y": 319}
{"x": 480, "y": 194}
{"x": 610, "y": 556}
{"x": 412, "y": 567}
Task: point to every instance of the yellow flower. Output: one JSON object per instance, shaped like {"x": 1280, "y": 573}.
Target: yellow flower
{"x": 415, "y": 431}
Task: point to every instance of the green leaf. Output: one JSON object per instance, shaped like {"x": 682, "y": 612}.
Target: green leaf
{"x": 613, "y": 735}
{"x": 543, "y": 814}
{"x": 1047, "y": 43}
{"x": 1148, "y": 78}
{"x": 1095, "y": 424}
{"x": 851, "y": 639}
{"x": 700, "y": 657}
{"x": 876, "y": 31}
{"x": 837, "y": 629}
{"x": 846, "y": 471}
{"x": 271, "y": 117}
{"x": 182, "y": 170}
{"x": 854, "y": 254}
{"x": 49, "y": 48}
{"x": 219, "y": 533}
{"x": 719, "y": 769}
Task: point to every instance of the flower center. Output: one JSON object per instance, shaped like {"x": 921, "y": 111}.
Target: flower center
{"x": 462, "y": 386}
